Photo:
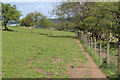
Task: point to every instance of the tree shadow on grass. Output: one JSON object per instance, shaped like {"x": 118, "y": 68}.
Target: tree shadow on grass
{"x": 73, "y": 37}
{"x": 43, "y": 34}
{"x": 8, "y": 30}
{"x": 59, "y": 36}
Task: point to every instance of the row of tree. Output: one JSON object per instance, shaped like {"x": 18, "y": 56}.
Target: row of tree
{"x": 9, "y": 13}
{"x": 64, "y": 25}
{"x": 100, "y": 20}
{"x": 35, "y": 19}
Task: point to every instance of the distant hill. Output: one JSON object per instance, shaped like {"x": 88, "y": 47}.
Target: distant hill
{"x": 58, "y": 20}
{"x": 54, "y": 20}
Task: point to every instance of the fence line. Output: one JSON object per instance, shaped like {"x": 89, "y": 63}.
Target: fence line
{"x": 103, "y": 51}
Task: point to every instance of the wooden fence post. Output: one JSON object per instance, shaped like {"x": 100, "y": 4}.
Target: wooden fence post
{"x": 95, "y": 45}
{"x": 91, "y": 43}
{"x": 85, "y": 38}
{"x": 108, "y": 55}
{"x": 100, "y": 49}
{"x": 119, "y": 58}
{"x": 80, "y": 36}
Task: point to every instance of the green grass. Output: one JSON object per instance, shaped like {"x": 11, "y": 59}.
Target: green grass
{"x": 0, "y": 52}
{"x": 38, "y": 55}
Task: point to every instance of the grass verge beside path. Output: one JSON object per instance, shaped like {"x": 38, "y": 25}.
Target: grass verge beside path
{"x": 107, "y": 71}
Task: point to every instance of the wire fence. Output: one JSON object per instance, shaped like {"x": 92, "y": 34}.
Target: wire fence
{"x": 106, "y": 52}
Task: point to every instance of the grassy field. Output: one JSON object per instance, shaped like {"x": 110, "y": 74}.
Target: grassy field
{"x": 38, "y": 54}
{"x": 0, "y": 52}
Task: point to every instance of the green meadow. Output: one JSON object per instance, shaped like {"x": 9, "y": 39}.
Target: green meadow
{"x": 0, "y": 53}
{"x": 38, "y": 54}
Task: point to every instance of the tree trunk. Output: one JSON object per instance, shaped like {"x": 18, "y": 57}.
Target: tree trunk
{"x": 108, "y": 55}
{"x": 119, "y": 57}
{"x": 89, "y": 41}
{"x": 78, "y": 34}
{"x": 5, "y": 27}
{"x": 86, "y": 39}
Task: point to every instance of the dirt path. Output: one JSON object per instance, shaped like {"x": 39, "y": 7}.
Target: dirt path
{"x": 87, "y": 70}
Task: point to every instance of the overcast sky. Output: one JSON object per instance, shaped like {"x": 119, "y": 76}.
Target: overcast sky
{"x": 32, "y": 0}
{"x": 27, "y": 6}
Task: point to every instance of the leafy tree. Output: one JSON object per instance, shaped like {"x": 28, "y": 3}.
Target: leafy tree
{"x": 9, "y": 13}
{"x": 43, "y": 21}
{"x": 35, "y": 19}
{"x": 73, "y": 12}
{"x": 116, "y": 27}
{"x": 101, "y": 20}
{"x": 28, "y": 20}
